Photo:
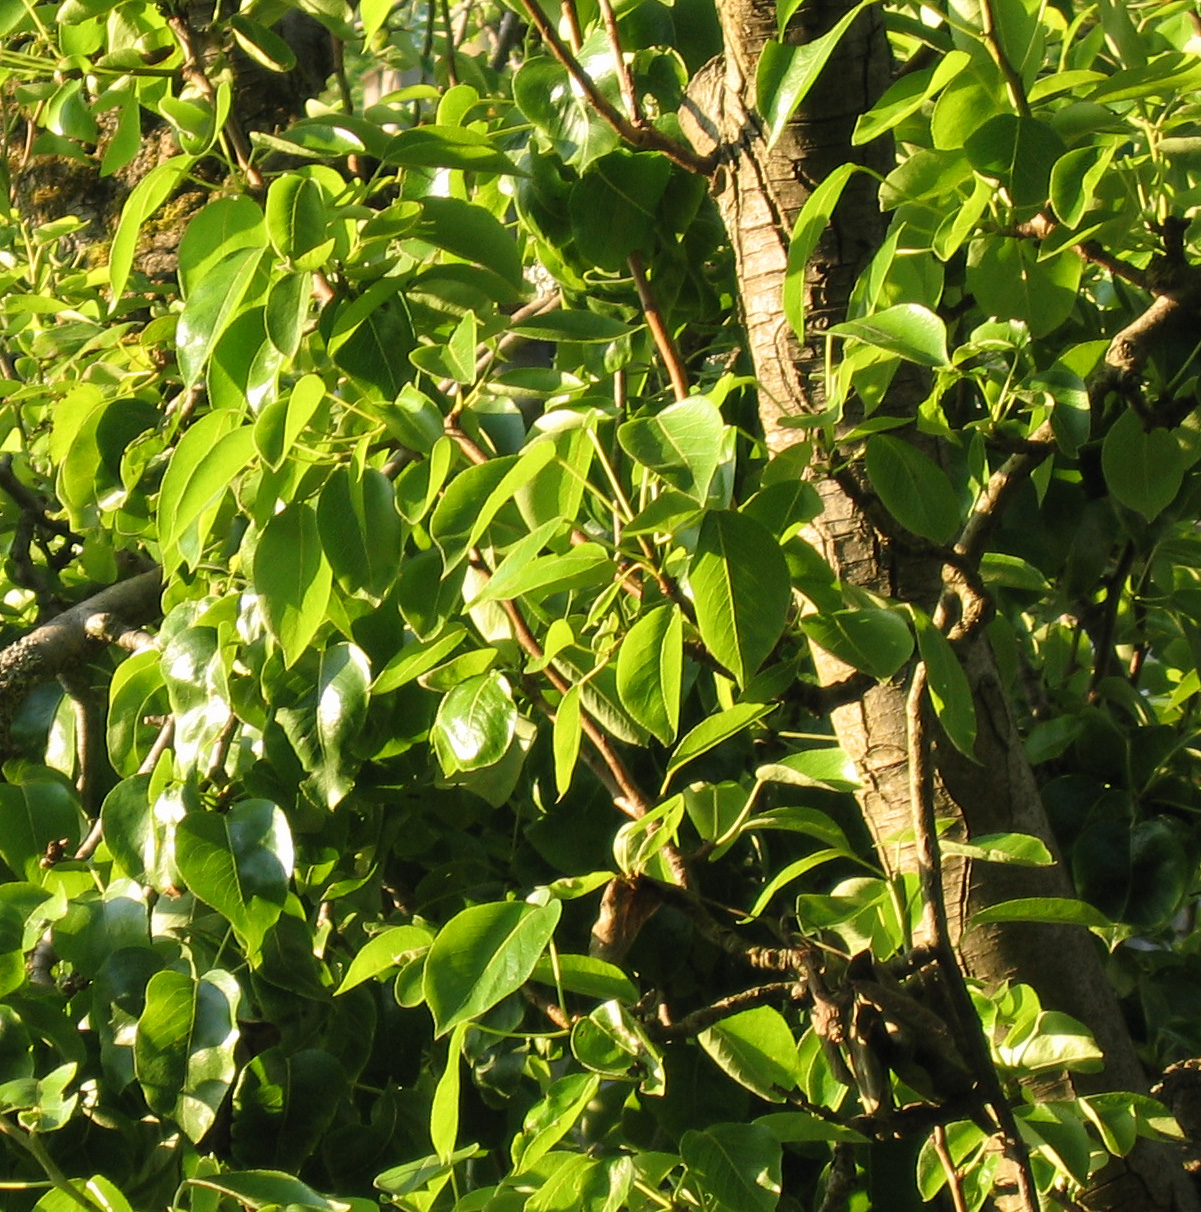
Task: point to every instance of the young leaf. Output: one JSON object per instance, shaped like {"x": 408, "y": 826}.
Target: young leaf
{"x": 566, "y": 739}
{"x": 650, "y": 667}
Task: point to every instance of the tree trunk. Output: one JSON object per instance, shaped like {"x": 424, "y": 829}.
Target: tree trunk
{"x": 760, "y": 192}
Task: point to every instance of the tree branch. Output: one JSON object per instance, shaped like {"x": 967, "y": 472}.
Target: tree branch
{"x": 57, "y": 645}
{"x": 641, "y": 135}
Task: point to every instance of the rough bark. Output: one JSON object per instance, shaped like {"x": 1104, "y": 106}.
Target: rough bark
{"x": 760, "y": 192}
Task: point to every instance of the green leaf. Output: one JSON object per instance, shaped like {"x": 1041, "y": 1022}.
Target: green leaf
{"x": 560, "y": 325}
{"x": 713, "y": 731}
{"x": 469, "y": 232}
{"x": 383, "y": 952}
{"x": 742, "y": 590}
{"x": 913, "y": 488}
{"x": 947, "y": 685}
{"x": 473, "y": 498}
{"x": 1019, "y": 848}
{"x": 436, "y": 146}
{"x": 238, "y": 862}
{"x": 444, "y": 1110}
{"x": 681, "y": 444}
{"x": 737, "y": 1166}
{"x": 286, "y": 311}
{"x": 908, "y": 330}
{"x": 1011, "y": 283}
{"x": 792, "y": 872}
{"x": 650, "y": 670}
{"x": 548, "y": 1121}
{"x": 810, "y": 224}
{"x": 261, "y": 44}
{"x": 587, "y": 976}
{"x": 33, "y": 816}
{"x": 283, "y": 1105}
{"x": 875, "y": 641}
{"x": 475, "y": 724}
{"x": 830, "y": 768}
{"x": 418, "y": 658}
{"x": 292, "y": 578}
{"x": 566, "y": 739}
{"x": 211, "y": 308}
{"x": 343, "y": 691}
{"x": 225, "y": 224}
{"x": 144, "y": 199}
{"x": 1050, "y": 909}
{"x": 755, "y": 1048}
{"x": 786, "y": 73}
{"x": 361, "y": 532}
{"x": 1143, "y": 468}
{"x": 1017, "y": 152}
{"x": 482, "y": 955}
{"x": 627, "y": 188}
{"x": 578, "y": 567}
{"x": 206, "y": 463}
{"x": 907, "y": 95}
{"x": 184, "y": 1047}
{"x": 266, "y": 1189}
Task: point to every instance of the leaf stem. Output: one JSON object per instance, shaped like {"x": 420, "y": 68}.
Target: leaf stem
{"x": 32, "y": 1145}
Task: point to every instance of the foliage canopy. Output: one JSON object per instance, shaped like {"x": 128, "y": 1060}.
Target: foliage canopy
{"x": 464, "y": 827}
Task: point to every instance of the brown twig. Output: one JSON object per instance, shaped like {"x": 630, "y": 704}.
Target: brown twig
{"x": 664, "y": 342}
{"x": 1013, "y": 81}
{"x": 954, "y": 1183}
{"x": 625, "y": 78}
{"x": 193, "y": 71}
{"x": 645, "y": 135}
{"x": 704, "y": 1018}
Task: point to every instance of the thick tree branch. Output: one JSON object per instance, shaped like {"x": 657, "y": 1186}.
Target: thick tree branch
{"x": 58, "y": 645}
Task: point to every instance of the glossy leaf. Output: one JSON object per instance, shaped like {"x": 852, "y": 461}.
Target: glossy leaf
{"x": 475, "y": 724}
{"x": 742, "y": 590}
{"x": 650, "y": 666}
{"x": 293, "y": 578}
{"x": 239, "y": 862}
{"x": 482, "y": 955}
{"x": 874, "y": 641}
{"x": 908, "y": 330}
{"x": 184, "y": 1049}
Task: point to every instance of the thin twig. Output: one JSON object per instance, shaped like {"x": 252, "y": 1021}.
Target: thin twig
{"x": 193, "y": 71}
{"x": 1013, "y": 81}
{"x": 704, "y": 1018}
{"x": 664, "y": 342}
{"x": 625, "y": 78}
{"x": 954, "y": 1184}
{"x": 646, "y": 135}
